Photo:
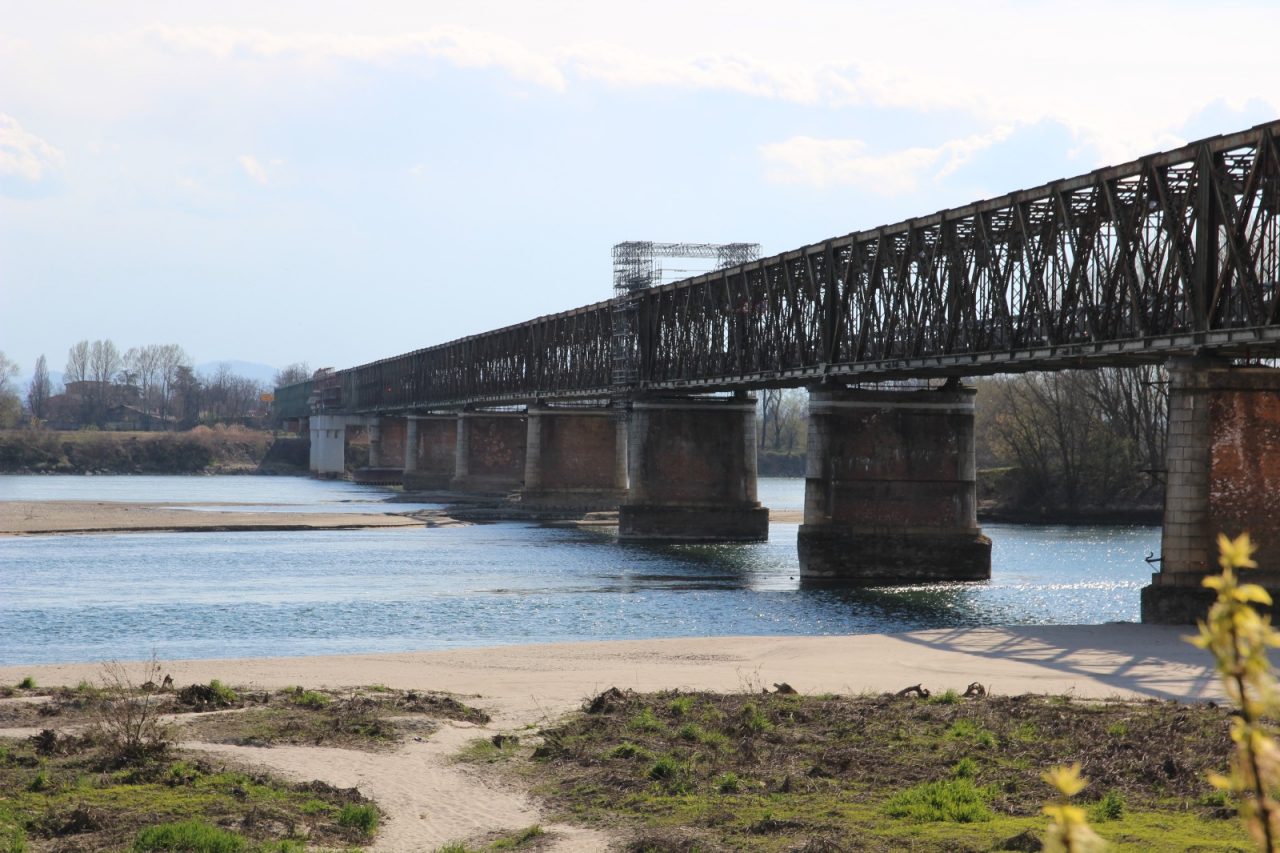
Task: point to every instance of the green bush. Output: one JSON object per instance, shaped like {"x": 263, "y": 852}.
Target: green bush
{"x": 191, "y": 836}
{"x": 308, "y": 699}
{"x": 953, "y": 800}
{"x": 363, "y": 818}
{"x": 27, "y": 683}
{"x": 1110, "y": 807}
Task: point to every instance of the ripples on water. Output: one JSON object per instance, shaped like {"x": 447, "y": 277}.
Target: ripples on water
{"x": 284, "y": 593}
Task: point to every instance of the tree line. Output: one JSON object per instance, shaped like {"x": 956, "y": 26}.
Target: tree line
{"x": 152, "y": 387}
{"x": 1053, "y": 444}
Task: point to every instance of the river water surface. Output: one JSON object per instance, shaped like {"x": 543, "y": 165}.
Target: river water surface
{"x": 201, "y": 595}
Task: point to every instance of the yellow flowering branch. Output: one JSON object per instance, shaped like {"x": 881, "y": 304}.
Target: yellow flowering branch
{"x": 1069, "y": 830}
{"x": 1238, "y": 638}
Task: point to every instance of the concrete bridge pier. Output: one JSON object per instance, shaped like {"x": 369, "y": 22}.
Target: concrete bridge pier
{"x": 571, "y": 458}
{"x": 692, "y": 470}
{"x": 489, "y": 452}
{"x": 890, "y": 488}
{"x": 1222, "y": 476}
{"x": 430, "y": 451}
{"x": 328, "y": 446}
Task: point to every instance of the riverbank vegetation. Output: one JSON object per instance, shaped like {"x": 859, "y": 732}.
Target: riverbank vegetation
{"x": 779, "y": 771}
{"x": 104, "y": 773}
{"x": 221, "y": 449}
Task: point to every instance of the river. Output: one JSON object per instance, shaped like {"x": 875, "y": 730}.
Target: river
{"x": 204, "y": 595}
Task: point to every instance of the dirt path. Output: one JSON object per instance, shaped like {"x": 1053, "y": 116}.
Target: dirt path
{"x": 428, "y": 798}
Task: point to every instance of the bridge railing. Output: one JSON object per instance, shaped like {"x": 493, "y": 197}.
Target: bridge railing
{"x": 564, "y": 354}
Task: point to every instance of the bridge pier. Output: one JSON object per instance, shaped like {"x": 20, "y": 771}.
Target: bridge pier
{"x": 328, "y": 446}
{"x": 431, "y": 450}
{"x": 1223, "y": 476}
{"x": 386, "y": 441}
{"x": 571, "y": 458}
{"x": 692, "y": 467}
{"x": 890, "y": 488}
{"x": 490, "y": 451}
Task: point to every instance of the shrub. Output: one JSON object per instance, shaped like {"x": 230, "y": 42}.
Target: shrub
{"x": 308, "y": 699}
{"x": 27, "y": 683}
{"x": 953, "y": 800}
{"x": 191, "y": 836}
{"x": 728, "y": 783}
{"x": 646, "y": 721}
{"x": 129, "y": 717}
{"x": 1110, "y": 807}
{"x": 360, "y": 817}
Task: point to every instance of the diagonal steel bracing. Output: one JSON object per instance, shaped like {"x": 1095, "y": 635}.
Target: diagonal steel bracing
{"x": 1174, "y": 252}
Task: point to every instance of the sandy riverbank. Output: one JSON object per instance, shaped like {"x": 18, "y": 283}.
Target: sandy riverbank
{"x": 431, "y": 800}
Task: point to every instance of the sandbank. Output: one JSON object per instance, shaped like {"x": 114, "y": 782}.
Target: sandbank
{"x": 29, "y": 518}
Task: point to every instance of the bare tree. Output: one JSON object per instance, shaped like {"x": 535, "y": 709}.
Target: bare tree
{"x": 39, "y": 390}
{"x": 770, "y": 398}
{"x": 171, "y": 361}
{"x": 10, "y": 406}
{"x": 299, "y": 371}
{"x": 78, "y": 363}
{"x": 1067, "y": 450}
{"x": 143, "y": 366}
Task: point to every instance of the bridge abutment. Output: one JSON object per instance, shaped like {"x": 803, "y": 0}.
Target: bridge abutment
{"x": 890, "y": 488}
{"x": 490, "y": 452}
{"x": 1223, "y": 476}
{"x": 692, "y": 471}
{"x": 571, "y": 458}
{"x": 431, "y": 451}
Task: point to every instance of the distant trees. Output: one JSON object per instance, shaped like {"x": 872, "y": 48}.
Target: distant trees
{"x": 10, "y": 406}
{"x": 39, "y": 390}
{"x": 299, "y": 371}
{"x": 145, "y": 386}
{"x": 782, "y": 419}
{"x": 1074, "y": 440}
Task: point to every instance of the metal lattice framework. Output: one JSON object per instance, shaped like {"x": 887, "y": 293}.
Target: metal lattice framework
{"x": 1175, "y": 252}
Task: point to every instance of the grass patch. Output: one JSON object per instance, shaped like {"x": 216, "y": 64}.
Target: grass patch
{"x": 953, "y": 800}
{"x": 814, "y": 772}
{"x": 27, "y": 683}
{"x": 78, "y": 797}
{"x": 489, "y": 750}
{"x": 190, "y": 835}
{"x": 362, "y": 817}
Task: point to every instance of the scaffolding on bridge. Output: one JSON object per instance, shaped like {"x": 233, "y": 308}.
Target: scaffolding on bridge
{"x": 636, "y": 267}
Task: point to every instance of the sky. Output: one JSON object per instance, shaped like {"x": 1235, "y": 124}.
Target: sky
{"x": 335, "y": 183}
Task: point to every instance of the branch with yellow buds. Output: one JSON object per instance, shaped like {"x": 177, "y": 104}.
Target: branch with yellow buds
{"x": 1238, "y": 638}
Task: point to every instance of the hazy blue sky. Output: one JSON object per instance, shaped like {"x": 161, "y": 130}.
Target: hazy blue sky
{"x": 285, "y": 181}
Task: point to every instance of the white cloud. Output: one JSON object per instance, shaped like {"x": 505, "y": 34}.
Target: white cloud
{"x": 459, "y": 46}
{"x": 619, "y": 66}
{"x": 845, "y": 162}
{"x": 253, "y": 168}
{"x": 26, "y": 158}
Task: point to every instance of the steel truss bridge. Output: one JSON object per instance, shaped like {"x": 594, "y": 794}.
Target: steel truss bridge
{"x": 1176, "y": 252}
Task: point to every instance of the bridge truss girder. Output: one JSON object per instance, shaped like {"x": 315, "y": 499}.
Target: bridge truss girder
{"x": 1174, "y": 252}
